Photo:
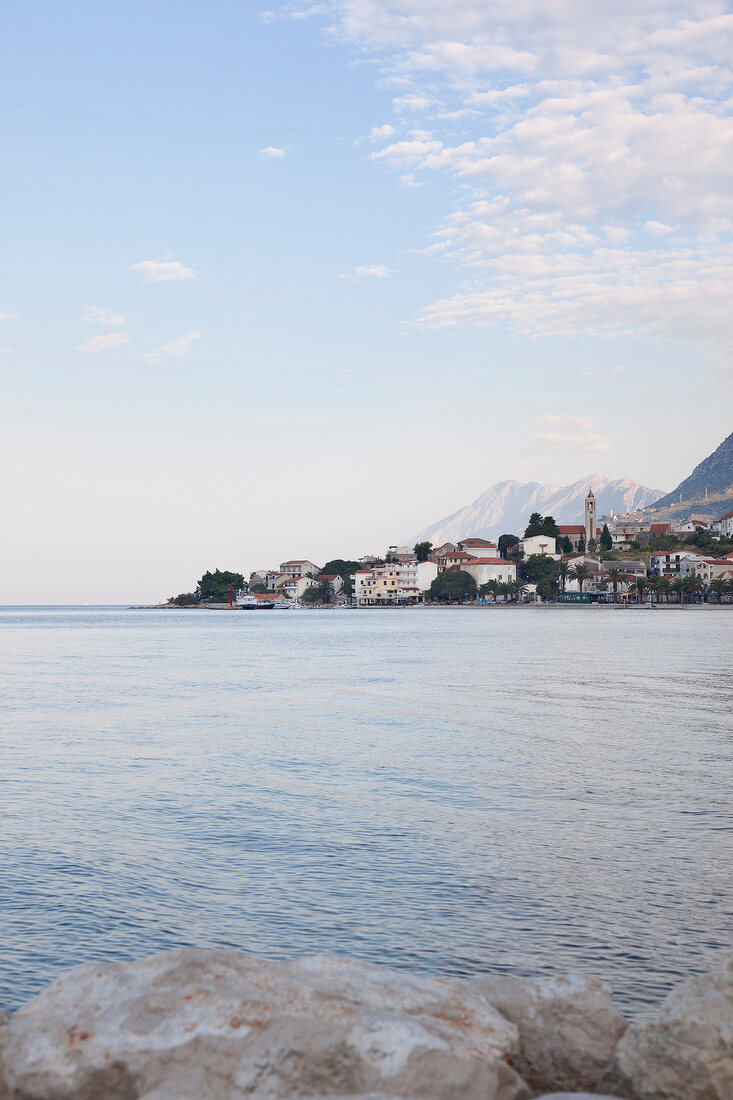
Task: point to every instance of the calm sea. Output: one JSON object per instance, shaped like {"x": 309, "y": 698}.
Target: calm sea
{"x": 448, "y": 790}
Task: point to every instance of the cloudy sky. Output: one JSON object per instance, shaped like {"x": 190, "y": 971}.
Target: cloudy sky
{"x": 297, "y": 279}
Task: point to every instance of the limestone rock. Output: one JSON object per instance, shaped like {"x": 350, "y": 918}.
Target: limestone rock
{"x": 686, "y": 1051}
{"x": 568, "y": 1027}
{"x": 221, "y": 1025}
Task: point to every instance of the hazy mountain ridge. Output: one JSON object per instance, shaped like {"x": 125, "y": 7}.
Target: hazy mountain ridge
{"x": 506, "y": 507}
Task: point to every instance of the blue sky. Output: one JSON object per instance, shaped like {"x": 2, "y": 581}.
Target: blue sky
{"x": 480, "y": 243}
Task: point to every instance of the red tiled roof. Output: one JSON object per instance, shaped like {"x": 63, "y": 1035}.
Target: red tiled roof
{"x": 476, "y": 542}
{"x": 328, "y": 576}
{"x": 659, "y": 527}
{"x": 571, "y": 529}
{"x": 728, "y": 515}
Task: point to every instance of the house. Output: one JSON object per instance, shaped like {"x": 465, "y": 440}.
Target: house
{"x": 258, "y": 577}
{"x": 393, "y": 582}
{"x": 299, "y": 567}
{"x": 334, "y": 579}
{"x": 294, "y": 587}
{"x": 726, "y": 525}
{"x": 572, "y": 531}
{"x": 691, "y": 526}
{"x": 438, "y": 551}
{"x": 484, "y": 570}
{"x": 710, "y": 569}
{"x": 659, "y": 530}
{"x": 400, "y": 553}
{"x": 274, "y": 578}
{"x": 668, "y": 564}
{"x": 477, "y": 548}
{"x": 543, "y": 545}
{"x": 453, "y": 557}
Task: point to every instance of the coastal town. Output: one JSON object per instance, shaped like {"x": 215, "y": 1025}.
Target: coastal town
{"x": 604, "y": 560}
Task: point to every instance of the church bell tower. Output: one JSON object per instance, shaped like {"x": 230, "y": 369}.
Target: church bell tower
{"x": 591, "y": 529}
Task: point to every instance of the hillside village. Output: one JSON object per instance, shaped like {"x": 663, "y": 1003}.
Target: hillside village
{"x": 599, "y": 561}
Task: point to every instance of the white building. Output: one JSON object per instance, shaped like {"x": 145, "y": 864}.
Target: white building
{"x": 726, "y": 525}
{"x": 543, "y": 545}
{"x": 294, "y": 587}
{"x": 394, "y": 582}
{"x": 669, "y": 564}
{"x": 299, "y": 567}
{"x": 484, "y": 570}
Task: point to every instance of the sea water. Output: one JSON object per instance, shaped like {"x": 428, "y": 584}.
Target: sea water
{"x": 449, "y": 790}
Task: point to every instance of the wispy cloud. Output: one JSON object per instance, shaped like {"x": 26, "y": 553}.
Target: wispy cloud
{"x": 5, "y": 351}
{"x": 381, "y": 133}
{"x": 175, "y": 349}
{"x": 7, "y": 314}
{"x": 163, "y": 271}
{"x": 595, "y": 173}
{"x": 368, "y": 271}
{"x": 104, "y": 317}
{"x": 108, "y": 341}
{"x": 569, "y": 435}
{"x": 271, "y": 152}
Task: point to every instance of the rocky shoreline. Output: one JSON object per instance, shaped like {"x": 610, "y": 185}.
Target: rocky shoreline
{"x": 222, "y": 1025}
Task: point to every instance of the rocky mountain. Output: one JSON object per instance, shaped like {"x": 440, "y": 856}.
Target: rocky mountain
{"x": 711, "y": 478}
{"x": 505, "y": 508}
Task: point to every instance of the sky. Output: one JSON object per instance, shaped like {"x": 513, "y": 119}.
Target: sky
{"x": 294, "y": 280}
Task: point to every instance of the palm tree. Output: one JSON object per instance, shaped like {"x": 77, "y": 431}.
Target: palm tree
{"x": 678, "y": 586}
{"x": 325, "y": 590}
{"x": 694, "y": 584}
{"x": 718, "y": 587}
{"x": 490, "y": 588}
{"x": 505, "y": 591}
{"x": 563, "y": 573}
{"x": 663, "y": 587}
{"x": 519, "y": 589}
{"x": 615, "y": 576}
{"x": 641, "y": 586}
{"x": 581, "y": 572}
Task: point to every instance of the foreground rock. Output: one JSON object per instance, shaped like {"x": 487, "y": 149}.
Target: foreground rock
{"x": 686, "y": 1051}
{"x": 221, "y": 1025}
{"x": 568, "y": 1028}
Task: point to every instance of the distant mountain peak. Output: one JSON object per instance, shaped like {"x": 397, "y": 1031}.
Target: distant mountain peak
{"x": 505, "y": 508}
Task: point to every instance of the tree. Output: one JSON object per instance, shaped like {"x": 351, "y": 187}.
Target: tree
{"x": 606, "y": 539}
{"x": 542, "y": 525}
{"x": 423, "y": 550}
{"x": 547, "y": 588}
{"x": 592, "y": 546}
{"x": 566, "y": 545}
{"x": 663, "y": 586}
{"x": 255, "y": 588}
{"x": 216, "y": 586}
{"x": 505, "y": 541}
{"x": 678, "y": 587}
{"x": 538, "y": 567}
{"x": 324, "y": 589}
{"x": 694, "y": 585}
{"x": 185, "y": 599}
{"x": 615, "y": 576}
{"x": 717, "y": 587}
{"x": 310, "y": 595}
{"x": 581, "y": 544}
{"x": 489, "y": 588}
{"x": 581, "y": 572}
{"x": 641, "y": 586}
{"x": 453, "y": 585}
